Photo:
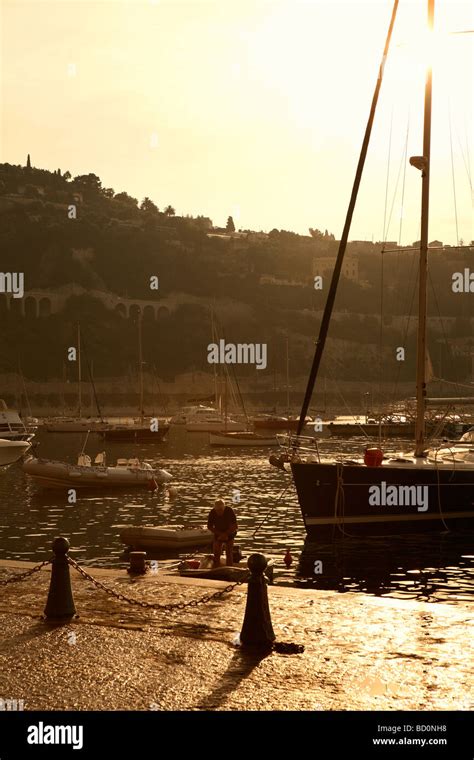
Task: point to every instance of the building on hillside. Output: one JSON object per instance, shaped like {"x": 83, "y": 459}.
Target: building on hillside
{"x": 350, "y": 267}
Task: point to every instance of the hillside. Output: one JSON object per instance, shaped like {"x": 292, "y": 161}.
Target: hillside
{"x": 101, "y": 250}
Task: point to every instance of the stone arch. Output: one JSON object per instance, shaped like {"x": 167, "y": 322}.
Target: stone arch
{"x": 163, "y": 312}
{"x": 134, "y": 312}
{"x": 121, "y": 309}
{"x": 16, "y": 305}
{"x": 31, "y": 307}
{"x": 149, "y": 313}
{"x": 44, "y": 307}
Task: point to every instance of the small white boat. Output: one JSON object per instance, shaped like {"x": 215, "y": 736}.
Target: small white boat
{"x": 210, "y": 421}
{"x": 247, "y": 438}
{"x": 165, "y": 537}
{"x": 127, "y": 473}
{"x": 12, "y": 427}
{"x": 181, "y": 417}
{"x": 202, "y": 567}
{"x": 12, "y": 451}
{"x": 75, "y": 425}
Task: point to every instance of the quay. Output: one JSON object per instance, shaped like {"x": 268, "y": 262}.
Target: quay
{"x": 360, "y": 652}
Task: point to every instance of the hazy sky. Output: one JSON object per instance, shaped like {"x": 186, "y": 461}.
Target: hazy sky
{"x": 243, "y": 107}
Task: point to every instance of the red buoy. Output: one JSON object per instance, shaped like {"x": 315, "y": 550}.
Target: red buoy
{"x": 373, "y": 456}
{"x": 288, "y": 559}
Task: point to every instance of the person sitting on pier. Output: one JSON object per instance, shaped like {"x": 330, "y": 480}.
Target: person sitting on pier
{"x": 223, "y": 523}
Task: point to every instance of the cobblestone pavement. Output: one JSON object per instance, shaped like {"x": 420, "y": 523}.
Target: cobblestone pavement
{"x": 361, "y": 652}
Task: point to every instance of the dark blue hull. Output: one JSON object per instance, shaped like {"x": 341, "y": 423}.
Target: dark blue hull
{"x": 338, "y": 498}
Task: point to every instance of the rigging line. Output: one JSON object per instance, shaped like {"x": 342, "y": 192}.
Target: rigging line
{"x": 381, "y": 326}
{"x": 385, "y": 231}
{"x": 91, "y": 379}
{"x": 467, "y": 163}
{"x": 409, "y": 310}
{"x": 325, "y": 322}
{"x": 445, "y": 337}
{"x": 452, "y": 172}
{"x": 403, "y": 182}
{"x": 468, "y": 153}
{"x": 344, "y": 402}
{"x": 456, "y": 384}
{"x": 279, "y": 499}
{"x": 403, "y": 163}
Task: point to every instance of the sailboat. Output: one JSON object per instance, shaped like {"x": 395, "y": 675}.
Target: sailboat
{"x": 238, "y": 438}
{"x": 144, "y": 430}
{"x": 272, "y": 420}
{"x": 420, "y": 491}
{"x": 80, "y": 423}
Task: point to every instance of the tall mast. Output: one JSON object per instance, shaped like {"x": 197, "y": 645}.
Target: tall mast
{"x": 324, "y": 328}
{"x": 287, "y": 377}
{"x": 423, "y": 272}
{"x": 79, "y": 370}
{"x": 140, "y": 361}
{"x": 214, "y": 338}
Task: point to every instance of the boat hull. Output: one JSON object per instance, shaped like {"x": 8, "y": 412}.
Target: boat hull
{"x": 241, "y": 439}
{"x": 11, "y": 451}
{"x": 51, "y": 474}
{"x": 275, "y": 424}
{"x": 214, "y": 427}
{"x": 76, "y": 426}
{"x": 135, "y": 435}
{"x": 165, "y": 538}
{"x": 402, "y": 430}
{"x": 340, "y": 499}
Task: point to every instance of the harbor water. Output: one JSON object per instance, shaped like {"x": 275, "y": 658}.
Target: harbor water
{"x": 432, "y": 567}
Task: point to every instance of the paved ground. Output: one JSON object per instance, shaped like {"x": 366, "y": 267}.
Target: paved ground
{"x": 361, "y": 652}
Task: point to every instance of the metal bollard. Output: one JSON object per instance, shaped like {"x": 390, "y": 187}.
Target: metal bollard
{"x": 60, "y": 603}
{"x": 137, "y": 563}
{"x": 257, "y": 630}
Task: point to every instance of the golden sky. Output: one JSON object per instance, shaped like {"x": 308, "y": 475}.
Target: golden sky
{"x": 245, "y": 107}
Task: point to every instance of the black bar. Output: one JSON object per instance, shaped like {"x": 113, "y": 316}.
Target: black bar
{"x": 316, "y": 734}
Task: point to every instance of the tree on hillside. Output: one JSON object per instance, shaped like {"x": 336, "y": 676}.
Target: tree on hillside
{"x": 148, "y": 206}
{"x": 126, "y": 198}
{"x": 230, "y": 226}
{"x": 67, "y": 176}
{"x": 108, "y": 192}
{"x": 169, "y": 211}
{"x": 203, "y": 222}
{"x": 88, "y": 183}
{"x": 28, "y": 162}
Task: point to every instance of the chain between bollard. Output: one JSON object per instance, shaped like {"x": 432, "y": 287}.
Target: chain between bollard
{"x": 26, "y": 574}
{"x": 155, "y": 605}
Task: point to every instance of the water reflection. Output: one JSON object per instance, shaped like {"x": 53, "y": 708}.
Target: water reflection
{"x": 427, "y": 566}
{"x": 431, "y": 567}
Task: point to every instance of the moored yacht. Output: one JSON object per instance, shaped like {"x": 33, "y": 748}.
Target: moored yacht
{"x": 209, "y": 420}
{"x": 12, "y": 427}
{"x": 12, "y": 451}
{"x": 126, "y": 473}
{"x": 425, "y": 489}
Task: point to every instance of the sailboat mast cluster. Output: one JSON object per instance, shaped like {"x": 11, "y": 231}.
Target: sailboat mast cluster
{"x": 423, "y": 269}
